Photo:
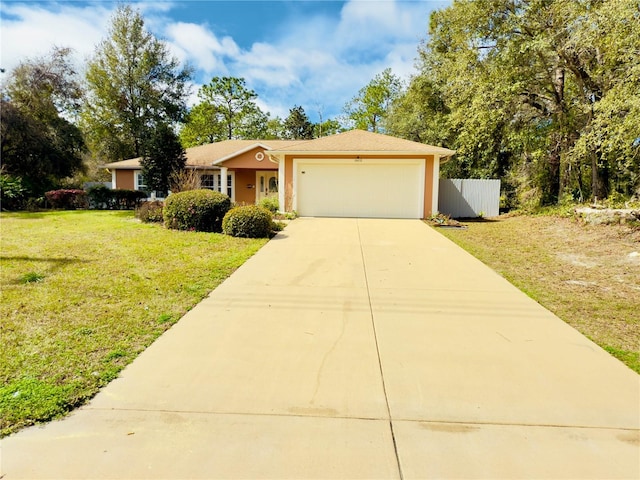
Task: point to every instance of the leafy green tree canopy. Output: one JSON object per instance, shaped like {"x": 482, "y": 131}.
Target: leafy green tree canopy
{"x": 297, "y": 125}
{"x": 134, "y": 84}
{"x": 40, "y": 143}
{"x": 163, "y": 157}
{"x": 543, "y": 94}
{"x": 369, "y": 109}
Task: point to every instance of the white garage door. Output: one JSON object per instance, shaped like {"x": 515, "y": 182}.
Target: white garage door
{"x": 359, "y": 188}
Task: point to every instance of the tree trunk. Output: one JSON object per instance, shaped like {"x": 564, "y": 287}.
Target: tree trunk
{"x": 599, "y": 178}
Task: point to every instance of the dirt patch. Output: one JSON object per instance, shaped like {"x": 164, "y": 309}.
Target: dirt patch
{"x": 588, "y": 275}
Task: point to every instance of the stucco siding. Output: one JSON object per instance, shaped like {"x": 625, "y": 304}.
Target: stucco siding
{"x": 288, "y": 183}
{"x": 428, "y": 187}
{"x": 249, "y": 160}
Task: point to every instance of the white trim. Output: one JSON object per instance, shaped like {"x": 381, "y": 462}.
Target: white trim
{"x": 113, "y": 179}
{"x": 222, "y": 186}
{"x": 436, "y": 184}
{"x": 233, "y": 185}
{"x": 136, "y": 185}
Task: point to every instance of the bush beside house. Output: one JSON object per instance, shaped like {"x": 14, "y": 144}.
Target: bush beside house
{"x": 250, "y": 221}
{"x": 67, "y": 199}
{"x": 102, "y": 197}
{"x": 200, "y": 210}
{"x": 150, "y": 212}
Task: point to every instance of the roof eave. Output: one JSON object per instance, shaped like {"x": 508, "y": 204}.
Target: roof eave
{"x": 280, "y": 153}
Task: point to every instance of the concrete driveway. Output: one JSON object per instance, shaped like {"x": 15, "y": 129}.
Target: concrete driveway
{"x": 351, "y": 348}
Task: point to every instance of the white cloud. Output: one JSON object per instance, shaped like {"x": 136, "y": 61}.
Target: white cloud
{"x": 30, "y": 30}
{"x": 198, "y": 45}
{"x": 316, "y": 61}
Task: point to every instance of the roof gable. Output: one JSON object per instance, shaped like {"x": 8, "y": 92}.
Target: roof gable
{"x": 363, "y": 141}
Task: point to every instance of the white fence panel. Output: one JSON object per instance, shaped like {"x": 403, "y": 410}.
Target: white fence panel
{"x": 469, "y": 198}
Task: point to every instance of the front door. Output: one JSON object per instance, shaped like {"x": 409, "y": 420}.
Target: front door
{"x": 266, "y": 184}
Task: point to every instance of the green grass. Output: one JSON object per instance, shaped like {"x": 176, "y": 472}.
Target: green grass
{"x": 582, "y": 273}
{"x": 84, "y": 292}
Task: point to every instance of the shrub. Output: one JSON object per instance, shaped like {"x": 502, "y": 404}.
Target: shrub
{"x": 67, "y": 199}
{"x": 251, "y": 221}
{"x": 127, "y": 199}
{"x": 150, "y": 212}
{"x": 102, "y": 197}
{"x": 12, "y": 192}
{"x": 200, "y": 210}
{"x": 270, "y": 203}
{"x": 184, "y": 179}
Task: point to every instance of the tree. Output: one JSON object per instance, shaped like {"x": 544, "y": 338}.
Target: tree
{"x": 420, "y": 113}
{"x": 40, "y": 143}
{"x": 541, "y": 93}
{"x": 163, "y": 158}
{"x": 133, "y": 86}
{"x": 202, "y": 126}
{"x": 297, "y": 125}
{"x": 235, "y": 106}
{"x": 274, "y": 129}
{"x": 369, "y": 109}
{"x": 328, "y": 127}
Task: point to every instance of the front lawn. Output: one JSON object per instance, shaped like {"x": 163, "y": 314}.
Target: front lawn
{"x": 588, "y": 275}
{"x": 84, "y": 292}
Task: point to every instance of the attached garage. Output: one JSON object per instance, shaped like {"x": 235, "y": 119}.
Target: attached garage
{"x": 337, "y": 187}
{"x": 359, "y": 174}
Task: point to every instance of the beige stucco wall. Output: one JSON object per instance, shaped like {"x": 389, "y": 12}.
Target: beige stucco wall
{"x": 428, "y": 187}
{"x": 248, "y": 160}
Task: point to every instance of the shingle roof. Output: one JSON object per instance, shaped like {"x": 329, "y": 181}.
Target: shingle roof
{"x": 362, "y": 141}
{"x": 351, "y": 141}
{"x": 207, "y": 155}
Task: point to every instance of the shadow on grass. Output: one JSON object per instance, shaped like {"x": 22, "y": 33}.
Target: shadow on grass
{"x": 54, "y": 264}
{"x": 22, "y": 215}
{"x": 478, "y": 220}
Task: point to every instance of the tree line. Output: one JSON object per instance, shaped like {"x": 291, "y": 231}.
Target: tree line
{"x": 542, "y": 94}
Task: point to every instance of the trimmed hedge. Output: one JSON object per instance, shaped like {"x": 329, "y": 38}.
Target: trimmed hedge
{"x": 200, "y": 210}
{"x": 105, "y": 198}
{"x": 251, "y": 221}
{"x": 67, "y": 199}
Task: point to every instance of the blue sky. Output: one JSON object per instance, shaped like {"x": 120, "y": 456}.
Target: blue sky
{"x": 317, "y": 54}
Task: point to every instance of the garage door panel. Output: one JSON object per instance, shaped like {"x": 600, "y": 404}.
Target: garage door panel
{"x": 347, "y": 189}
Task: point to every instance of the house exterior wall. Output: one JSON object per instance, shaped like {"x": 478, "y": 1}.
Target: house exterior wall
{"x": 288, "y": 183}
{"x": 248, "y": 160}
{"x": 124, "y": 179}
{"x": 428, "y": 187}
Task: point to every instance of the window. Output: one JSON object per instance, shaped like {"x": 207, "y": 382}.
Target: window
{"x": 230, "y": 185}
{"x": 141, "y": 185}
{"x": 273, "y": 185}
{"x": 140, "y": 182}
{"x": 208, "y": 181}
